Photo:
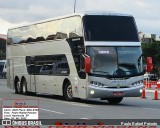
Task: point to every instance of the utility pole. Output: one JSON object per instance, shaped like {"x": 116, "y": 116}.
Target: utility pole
{"x": 74, "y": 5}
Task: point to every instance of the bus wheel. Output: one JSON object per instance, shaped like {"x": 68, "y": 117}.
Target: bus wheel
{"x": 24, "y": 87}
{"x": 17, "y": 87}
{"x": 68, "y": 95}
{"x": 115, "y": 100}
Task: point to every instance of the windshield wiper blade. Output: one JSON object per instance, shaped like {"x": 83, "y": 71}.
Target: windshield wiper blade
{"x": 106, "y": 74}
{"x": 101, "y": 72}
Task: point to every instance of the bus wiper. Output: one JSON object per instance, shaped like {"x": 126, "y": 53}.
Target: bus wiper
{"x": 101, "y": 72}
{"x": 106, "y": 74}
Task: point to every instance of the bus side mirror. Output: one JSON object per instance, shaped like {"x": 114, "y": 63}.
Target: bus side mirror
{"x": 149, "y": 66}
{"x": 87, "y": 64}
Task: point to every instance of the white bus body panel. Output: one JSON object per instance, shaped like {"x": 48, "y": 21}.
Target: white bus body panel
{"x": 41, "y": 83}
{"x": 123, "y": 86}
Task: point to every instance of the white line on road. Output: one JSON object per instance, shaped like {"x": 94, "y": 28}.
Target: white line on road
{"x": 85, "y": 118}
{"x": 51, "y": 111}
{"x": 79, "y": 105}
{"x": 153, "y": 109}
{"x": 70, "y": 103}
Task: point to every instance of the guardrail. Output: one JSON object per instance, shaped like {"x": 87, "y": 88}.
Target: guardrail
{"x": 150, "y": 84}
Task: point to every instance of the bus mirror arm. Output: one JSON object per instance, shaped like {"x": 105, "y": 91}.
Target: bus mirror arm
{"x": 149, "y": 64}
{"x": 82, "y": 74}
{"x": 87, "y": 63}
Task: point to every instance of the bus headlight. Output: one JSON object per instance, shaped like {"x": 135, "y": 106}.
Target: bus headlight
{"x": 92, "y": 92}
{"x": 137, "y": 83}
{"x": 98, "y": 84}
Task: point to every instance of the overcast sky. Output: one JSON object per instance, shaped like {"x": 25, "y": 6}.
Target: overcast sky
{"x": 15, "y": 12}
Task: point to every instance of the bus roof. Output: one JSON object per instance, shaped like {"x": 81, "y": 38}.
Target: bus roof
{"x": 74, "y": 14}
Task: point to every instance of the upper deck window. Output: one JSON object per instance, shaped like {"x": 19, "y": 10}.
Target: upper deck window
{"x": 110, "y": 28}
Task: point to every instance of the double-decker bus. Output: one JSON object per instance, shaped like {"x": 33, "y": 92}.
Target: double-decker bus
{"x": 83, "y": 55}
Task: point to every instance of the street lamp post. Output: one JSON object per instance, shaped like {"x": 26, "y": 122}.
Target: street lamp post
{"x": 74, "y": 6}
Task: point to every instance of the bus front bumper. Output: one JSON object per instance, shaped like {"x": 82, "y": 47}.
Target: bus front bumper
{"x": 96, "y": 92}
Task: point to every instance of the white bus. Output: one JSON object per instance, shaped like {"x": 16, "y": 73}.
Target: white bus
{"x": 86, "y": 55}
{"x": 3, "y": 69}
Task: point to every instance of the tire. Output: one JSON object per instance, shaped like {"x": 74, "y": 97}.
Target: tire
{"x": 67, "y": 92}
{"x": 24, "y": 87}
{"x": 115, "y": 100}
{"x": 17, "y": 86}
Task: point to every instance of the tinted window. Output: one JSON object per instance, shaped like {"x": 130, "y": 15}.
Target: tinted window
{"x": 110, "y": 28}
{"x": 75, "y": 29}
{"x": 115, "y": 61}
{"x": 50, "y": 30}
{"x": 63, "y": 28}
{"x": 30, "y": 63}
{"x": 47, "y": 65}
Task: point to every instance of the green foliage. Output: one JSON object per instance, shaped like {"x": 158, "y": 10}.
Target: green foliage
{"x": 153, "y": 50}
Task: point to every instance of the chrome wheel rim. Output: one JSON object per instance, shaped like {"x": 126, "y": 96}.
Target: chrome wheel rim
{"x": 69, "y": 91}
{"x": 18, "y": 86}
{"x": 24, "y": 87}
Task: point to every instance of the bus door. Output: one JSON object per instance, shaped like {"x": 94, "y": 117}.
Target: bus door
{"x": 82, "y": 88}
{"x": 32, "y": 70}
{"x": 45, "y": 77}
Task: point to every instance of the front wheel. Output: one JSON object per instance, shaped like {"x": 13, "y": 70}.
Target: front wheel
{"x": 67, "y": 92}
{"x": 115, "y": 100}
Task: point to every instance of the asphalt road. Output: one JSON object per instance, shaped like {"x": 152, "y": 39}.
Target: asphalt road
{"x": 54, "y": 107}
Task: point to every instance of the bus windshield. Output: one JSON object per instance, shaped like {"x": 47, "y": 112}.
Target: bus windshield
{"x": 115, "y": 61}
{"x": 110, "y": 28}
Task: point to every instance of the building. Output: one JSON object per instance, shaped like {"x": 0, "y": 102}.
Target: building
{"x": 148, "y": 38}
{"x": 155, "y": 37}
{"x": 3, "y": 46}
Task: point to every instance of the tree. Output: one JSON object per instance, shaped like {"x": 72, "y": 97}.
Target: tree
{"x": 153, "y": 50}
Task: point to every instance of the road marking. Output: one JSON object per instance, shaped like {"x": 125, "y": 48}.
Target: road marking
{"x": 70, "y": 103}
{"x": 50, "y": 111}
{"x": 85, "y": 118}
{"x": 80, "y": 105}
{"x": 153, "y": 109}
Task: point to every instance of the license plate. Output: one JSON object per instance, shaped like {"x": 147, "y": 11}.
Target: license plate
{"x": 118, "y": 93}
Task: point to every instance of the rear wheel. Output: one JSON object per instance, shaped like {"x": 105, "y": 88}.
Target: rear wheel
{"x": 67, "y": 92}
{"x": 17, "y": 86}
{"x": 24, "y": 87}
{"x": 115, "y": 100}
